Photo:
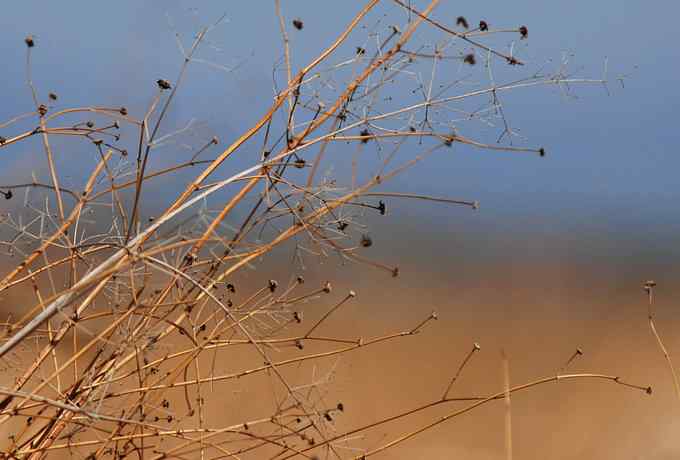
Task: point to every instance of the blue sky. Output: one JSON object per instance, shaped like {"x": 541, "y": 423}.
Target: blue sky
{"x": 612, "y": 159}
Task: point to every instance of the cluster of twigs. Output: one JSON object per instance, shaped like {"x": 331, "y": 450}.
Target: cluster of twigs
{"x": 130, "y": 317}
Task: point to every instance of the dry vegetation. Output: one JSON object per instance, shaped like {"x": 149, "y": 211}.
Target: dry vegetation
{"x": 130, "y": 325}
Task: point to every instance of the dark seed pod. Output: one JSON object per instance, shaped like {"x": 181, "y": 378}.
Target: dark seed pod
{"x": 52, "y": 96}
{"x": 298, "y": 24}
{"x": 366, "y": 241}
{"x": 360, "y": 50}
{"x": 163, "y": 84}
{"x": 123, "y": 111}
{"x": 365, "y": 133}
{"x": 483, "y": 26}
{"x": 523, "y": 32}
{"x": 29, "y": 41}
{"x": 461, "y": 21}
{"x": 470, "y": 59}
{"x": 42, "y": 110}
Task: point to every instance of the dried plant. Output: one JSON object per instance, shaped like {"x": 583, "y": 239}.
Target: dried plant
{"x": 117, "y": 353}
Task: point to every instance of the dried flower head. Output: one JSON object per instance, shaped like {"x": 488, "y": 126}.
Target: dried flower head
{"x": 298, "y": 24}
{"x": 366, "y": 241}
{"x": 461, "y": 21}
{"x": 163, "y": 84}
{"x": 42, "y": 110}
{"x": 483, "y": 26}
{"x": 123, "y": 111}
{"x": 470, "y": 59}
{"x": 52, "y": 96}
{"x": 523, "y": 32}
{"x": 365, "y": 133}
{"x": 360, "y": 50}
{"x": 29, "y": 41}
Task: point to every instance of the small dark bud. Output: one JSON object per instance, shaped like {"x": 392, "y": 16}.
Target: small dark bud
{"x": 649, "y": 390}
{"x": 215, "y": 140}
{"x": 470, "y": 59}
{"x": 163, "y": 84}
{"x": 116, "y": 125}
{"x": 90, "y": 124}
{"x": 328, "y": 417}
{"x": 2, "y": 140}
{"x": 273, "y": 284}
{"x": 327, "y": 287}
{"x": 342, "y": 225}
{"x": 366, "y": 241}
{"x": 523, "y": 32}
{"x": 299, "y": 345}
{"x": 97, "y": 142}
{"x": 365, "y": 133}
{"x": 42, "y": 110}
{"x": 124, "y": 153}
{"x": 298, "y": 24}
{"x": 360, "y": 50}
{"x": 123, "y": 111}
{"x": 8, "y": 194}
{"x": 483, "y": 26}
{"x": 29, "y": 41}
{"x": 341, "y": 407}
{"x": 231, "y": 288}
{"x": 52, "y": 96}
{"x": 412, "y": 129}
{"x": 381, "y": 207}
{"x": 541, "y": 152}
{"x": 461, "y": 21}
{"x": 300, "y": 163}
{"x": 297, "y": 317}
{"x": 300, "y": 280}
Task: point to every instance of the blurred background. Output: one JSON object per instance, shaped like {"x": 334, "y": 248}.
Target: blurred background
{"x": 554, "y": 259}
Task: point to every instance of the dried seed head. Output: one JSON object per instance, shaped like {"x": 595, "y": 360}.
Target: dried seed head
{"x": 352, "y": 294}
{"x": 512, "y": 60}
{"x": 8, "y": 194}
{"x": 365, "y": 133}
{"x": 476, "y": 347}
{"x": 470, "y": 59}
{"x": 299, "y": 345}
{"x": 342, "y": 225}
{"x": 366, "y": 241}
{"x": 215, "y": 140}
{"x": 298, "y": 24}
{"x": 297, "y": 316}
{"x": 360, "y": 50}
{"x": 42, "y": 110}
{"x": 52, "y": 96}
{"x": 124, "y": 152}
{"x": 541, "y": 152}
{"x": 231, "y": 288}
{"x": 381, "y": 207}
{"x": 300, "y": 163}
{"x": 163, "y": 84}
{"x": 273, "y": 284}
{"x": 483, "y": 26}
{"x": 523, "y": 32}
{"x": 29, "y": 41}
{"x": 300, "y": 280}
{"x": 2, "y": 140}
{"x": 116, "y": 125}
{"x": 327, "y": 287}
{"x": 461, "y": 21}
{"x": 90, "y": 124}
{"x": 648, "y": 390}
{"x": 328, "y": 417}
{"x": 341, "y": 407}
{"x": 123, "y": 111}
